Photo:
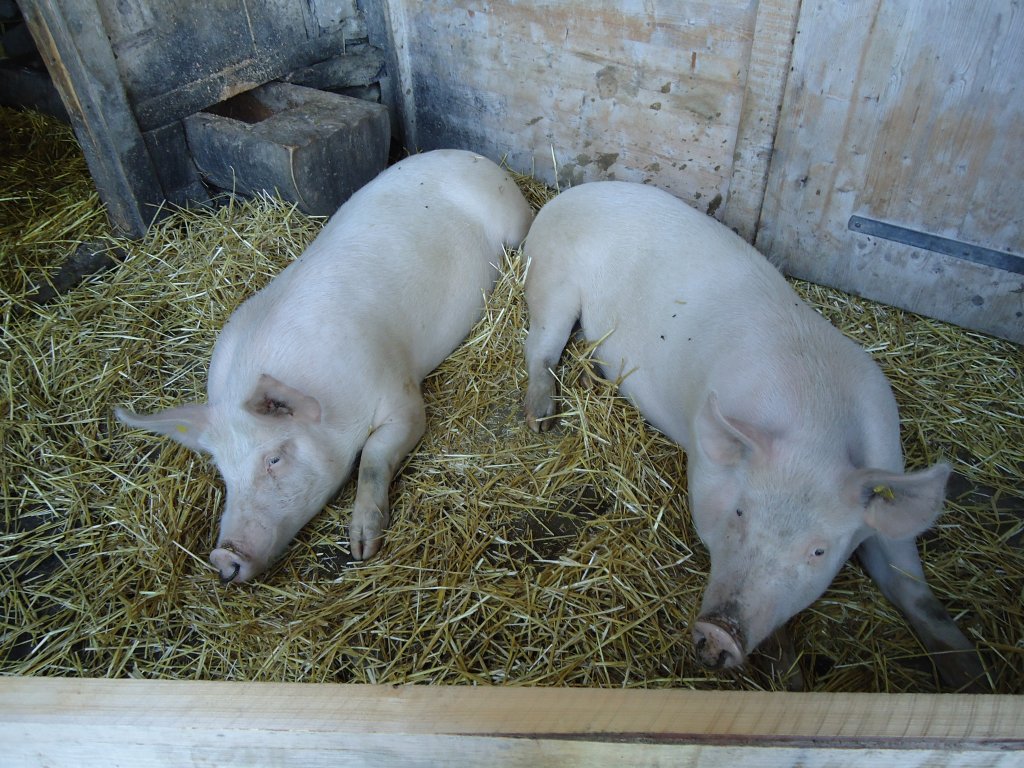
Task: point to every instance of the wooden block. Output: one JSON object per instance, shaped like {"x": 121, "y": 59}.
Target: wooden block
{"x": 314, "y": 148}
{"x": 176, "y": 173}
{"x": 15, "y": 41}
{"x": 9, "y": 10}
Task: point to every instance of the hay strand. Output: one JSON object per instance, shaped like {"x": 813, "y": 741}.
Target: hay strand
{"x": 558, "y": 559}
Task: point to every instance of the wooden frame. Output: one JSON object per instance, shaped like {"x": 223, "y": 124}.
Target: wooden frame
{"x": 132, "y": 139}
{"x": 64, "y": 721}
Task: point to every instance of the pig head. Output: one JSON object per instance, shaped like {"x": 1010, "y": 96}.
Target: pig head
{"x": 779, "y": 519}
{"x": 279, "y": 465}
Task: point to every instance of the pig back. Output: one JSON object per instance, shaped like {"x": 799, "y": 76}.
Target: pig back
{"x": 691, "y": 307}
{"x": 390, "y": 286}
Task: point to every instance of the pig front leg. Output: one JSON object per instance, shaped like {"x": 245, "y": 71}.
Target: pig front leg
{"x": 395, "y": 435}
{"x": 896, "y": 568}
{"x": 550, "y": 327}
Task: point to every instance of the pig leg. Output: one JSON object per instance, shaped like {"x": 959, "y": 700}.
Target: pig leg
{"x": 896, "y": 568}
{"x": 778, "y": 658}
{"x": 550, "y": 327}
{"x": 396, "y": 434}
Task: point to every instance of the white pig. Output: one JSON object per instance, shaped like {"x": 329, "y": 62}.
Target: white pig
{"x": 791, "y": 430}
{"x": 325, "y": 364}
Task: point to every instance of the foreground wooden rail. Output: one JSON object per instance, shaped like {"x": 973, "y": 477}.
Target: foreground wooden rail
{"x": 139, "y": 723}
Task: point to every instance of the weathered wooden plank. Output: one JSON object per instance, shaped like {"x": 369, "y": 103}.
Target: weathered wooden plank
{"x": 908, "y": 116}
{"x": 944, "y": 137}
{"x": 639, "y": 91}
{"x": 71, "y": 39}
{"x": 360, "y": 65}
{"x": 260, "y": 66}
{"x": 382, "y": 35}
{"x": 174, "y": 62}
{"x": 770, "y": 54}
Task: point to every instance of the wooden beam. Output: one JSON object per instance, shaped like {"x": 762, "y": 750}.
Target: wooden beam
{"x": 77, "y": 53}
{"x": 62, "y": 721}
{"x": 770, "y": 53}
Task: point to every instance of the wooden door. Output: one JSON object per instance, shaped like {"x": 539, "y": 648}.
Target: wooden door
{"x": 903, "y": 122}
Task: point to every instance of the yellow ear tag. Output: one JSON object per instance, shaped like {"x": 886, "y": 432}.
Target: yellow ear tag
{"x": 182, "y": 428}
{"x": 884, "y": 491}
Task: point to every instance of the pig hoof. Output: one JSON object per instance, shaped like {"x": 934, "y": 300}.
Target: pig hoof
{"x": 717, "y": 647}
{"x": 365, "y": 549}
{"x": 231, "y": 576}
{"x": 365, "y": 539}
{"x": 539, "y": 424}
{"x": 539, "y": 408}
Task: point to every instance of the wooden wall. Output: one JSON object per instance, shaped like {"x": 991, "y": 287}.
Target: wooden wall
{"x": 129, "y": 71}
{"x": 642, "y": 90}
{"x": 909, "y": 114}
{"x": 780, "y": 118}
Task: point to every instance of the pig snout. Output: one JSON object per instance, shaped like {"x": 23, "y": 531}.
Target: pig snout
{"x": 232, "y": 565}
{"x": 718, "y": 642}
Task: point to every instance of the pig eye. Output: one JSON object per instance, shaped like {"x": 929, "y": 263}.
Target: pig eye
{"x": 819, "y": 551}
{"x": 272, "y": 460}
{"x": 739, "y": 513}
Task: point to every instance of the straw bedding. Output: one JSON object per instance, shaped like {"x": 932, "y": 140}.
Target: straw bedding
{"x": 513, "y": 558}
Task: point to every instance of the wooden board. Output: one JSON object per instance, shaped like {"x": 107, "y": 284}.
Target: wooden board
{"x": 910, "y": 114}
{"x": 640, "y": 91}
{"x": 173, "y": 62}
{"x": 138, "y": 723}
{"x": 770, "y": 51}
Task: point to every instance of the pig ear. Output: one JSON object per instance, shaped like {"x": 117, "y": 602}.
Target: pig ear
{"x": 901, "y": 506}
{"x": 274, "y": 398}
{"x": 185, "y": 424}
{"x": 728, "y": 441}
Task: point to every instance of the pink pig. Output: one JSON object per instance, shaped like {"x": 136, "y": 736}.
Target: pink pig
{"x": 325, "y": 364}
{"x": 791, "y": 430}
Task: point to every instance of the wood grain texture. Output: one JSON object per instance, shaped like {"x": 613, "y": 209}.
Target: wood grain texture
{"x": 77, "y": 54}
{"x": 58, "y": 721}
{"x": 910, "y": 114}
{"x": 770, "y": 54}
{"x": 571, "y": 91}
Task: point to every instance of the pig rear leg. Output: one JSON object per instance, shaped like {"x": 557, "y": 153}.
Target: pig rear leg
{"x": 896, "y": 567}
{"x": 550, "y": 327}
{"x": 396, "y": 434}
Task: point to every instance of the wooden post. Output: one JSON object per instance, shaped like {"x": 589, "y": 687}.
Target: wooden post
{"x": 138, "y": 723}
{"x": 71, "y": 39}
{"x": 770, "y": 54}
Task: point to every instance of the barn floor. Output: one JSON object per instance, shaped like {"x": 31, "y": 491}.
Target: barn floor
{"x": 513, "y": 558}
